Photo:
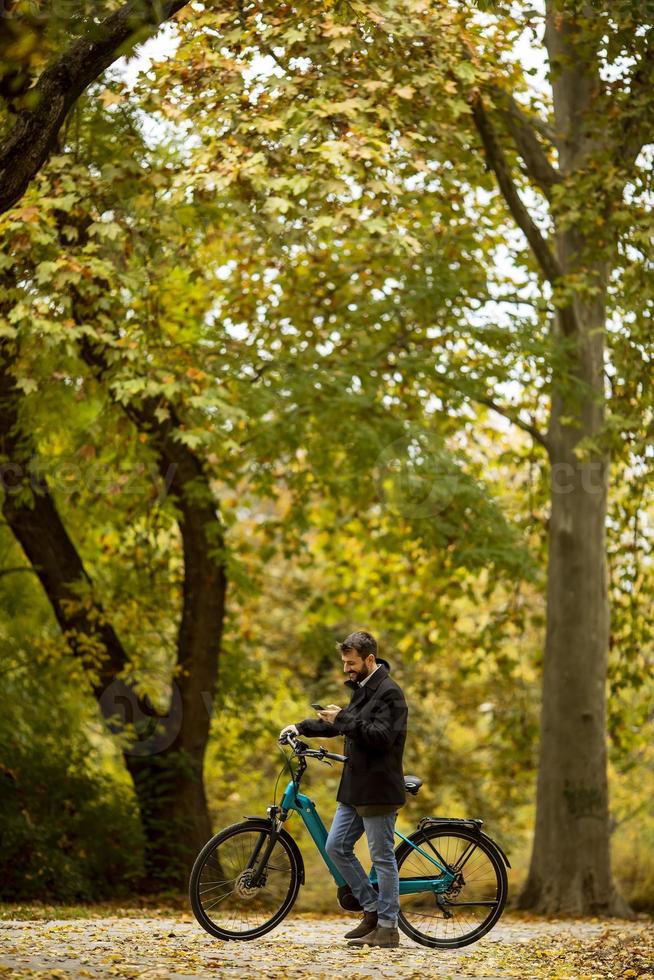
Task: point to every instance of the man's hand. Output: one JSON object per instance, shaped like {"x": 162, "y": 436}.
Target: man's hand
{"x": 289, "y": 728}
{"x": 329, "y": 713}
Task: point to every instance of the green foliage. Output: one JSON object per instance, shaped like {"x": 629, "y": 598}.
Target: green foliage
{"x": 70, "y": 830}
{"x": 304, "y": 259}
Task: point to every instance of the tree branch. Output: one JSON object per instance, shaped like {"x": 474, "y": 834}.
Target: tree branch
{"x": 497, "y": 161}
{"x": 489, "y": 402}
{"x": 541, "y": 126}
{"x": 528, "y": 145}
{"x": 499, "y": 164}
{"x": 18, "y": 568}
{"x": 29, "y": 143}
{"x": 529, "y": 427}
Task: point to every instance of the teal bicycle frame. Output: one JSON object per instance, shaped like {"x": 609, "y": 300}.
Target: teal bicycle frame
{"x": 292, "y": 800}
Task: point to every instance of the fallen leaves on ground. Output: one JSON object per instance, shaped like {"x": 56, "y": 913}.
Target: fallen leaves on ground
{"x": 174, "y": 946}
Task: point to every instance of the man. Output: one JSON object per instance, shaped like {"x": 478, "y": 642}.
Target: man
{"x": 372, "y": 784}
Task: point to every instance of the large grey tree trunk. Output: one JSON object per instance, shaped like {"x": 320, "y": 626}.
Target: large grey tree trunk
{"x": 570, "y": 869}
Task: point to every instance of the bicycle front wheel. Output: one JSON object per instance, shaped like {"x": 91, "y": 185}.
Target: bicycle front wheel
{"x": 222, "y": 897}
{"x": 475, "y": 900}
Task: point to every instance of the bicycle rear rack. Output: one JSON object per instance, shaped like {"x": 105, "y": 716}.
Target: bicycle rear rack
{"x": 474, "y": 825}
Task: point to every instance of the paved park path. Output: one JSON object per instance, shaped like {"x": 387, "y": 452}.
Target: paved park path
{"x": 160, "y": 947}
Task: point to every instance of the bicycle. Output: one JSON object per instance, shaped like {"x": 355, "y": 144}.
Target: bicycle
{"x": 245, "y": 880}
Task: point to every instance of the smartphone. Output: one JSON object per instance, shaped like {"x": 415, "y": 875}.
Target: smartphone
{"x": 317, "y": 707}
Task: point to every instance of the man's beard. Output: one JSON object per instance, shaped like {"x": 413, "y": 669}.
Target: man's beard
{"x": 362, "y": 674}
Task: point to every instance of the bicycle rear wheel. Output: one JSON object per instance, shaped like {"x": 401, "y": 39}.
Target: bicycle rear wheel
{"x": 475, "y": 900}
{"x": 222, "y": 897}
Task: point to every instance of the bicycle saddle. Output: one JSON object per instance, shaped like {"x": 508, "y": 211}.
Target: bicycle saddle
{"x": 412, "y": 784}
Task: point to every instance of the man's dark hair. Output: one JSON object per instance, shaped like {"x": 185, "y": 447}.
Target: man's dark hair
{"x": 364, "y": 644}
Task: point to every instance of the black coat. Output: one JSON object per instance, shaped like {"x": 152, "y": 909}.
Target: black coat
{"x": 374, "y": 725}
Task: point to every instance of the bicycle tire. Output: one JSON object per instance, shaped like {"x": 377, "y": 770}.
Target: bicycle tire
{"x": 497, "y": 889}
{"x": 201, "y": 864}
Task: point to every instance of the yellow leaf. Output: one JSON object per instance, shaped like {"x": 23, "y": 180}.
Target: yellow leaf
{"x": 332, "y": 29}
{"x": 111, "y": 98}
{"x": 405, "y": 91}
{"x": 339, "y": 44}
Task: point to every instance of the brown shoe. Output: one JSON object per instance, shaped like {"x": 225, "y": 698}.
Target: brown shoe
{"x": 368, "y": 924}
{"x": 386, "y": 936}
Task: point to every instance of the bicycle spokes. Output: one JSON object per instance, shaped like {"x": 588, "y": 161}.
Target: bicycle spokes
{"x": 226, "y": 887}
{"x": 462, "y": 905}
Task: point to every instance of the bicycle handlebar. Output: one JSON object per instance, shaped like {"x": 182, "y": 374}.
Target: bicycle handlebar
{"x": 300, "y": 749}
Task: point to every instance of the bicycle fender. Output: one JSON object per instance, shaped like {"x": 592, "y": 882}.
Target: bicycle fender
{"x": 493, "y": 843}
{"x": 266, "y": 821}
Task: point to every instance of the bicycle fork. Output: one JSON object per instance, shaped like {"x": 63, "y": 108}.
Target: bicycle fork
{"x": 262, "y": 862}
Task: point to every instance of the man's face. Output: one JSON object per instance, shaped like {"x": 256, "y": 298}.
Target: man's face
{"x": 355, "y": 667}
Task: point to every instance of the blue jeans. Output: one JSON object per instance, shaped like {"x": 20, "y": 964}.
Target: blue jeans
{"x": 346, "y": 829}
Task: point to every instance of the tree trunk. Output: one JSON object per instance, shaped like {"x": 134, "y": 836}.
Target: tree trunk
{"x": 176, "y": 774}
{"x": 570, "y": 871}
{"x": 200, "y": 632}
{"x": 32, "y": 515}
{"x": 174, "y": 811}
{"x": 165, "y": 761}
